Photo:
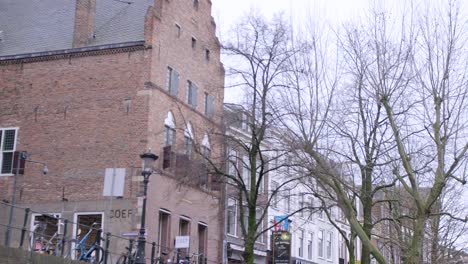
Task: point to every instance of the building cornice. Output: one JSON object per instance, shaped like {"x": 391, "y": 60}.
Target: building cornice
{"x": 74, "y": 52}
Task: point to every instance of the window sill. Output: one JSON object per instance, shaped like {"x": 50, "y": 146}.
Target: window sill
{"x": 7, "y": 175}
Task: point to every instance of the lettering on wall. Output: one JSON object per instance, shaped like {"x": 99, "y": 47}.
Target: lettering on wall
{"x": 121, "y": 213}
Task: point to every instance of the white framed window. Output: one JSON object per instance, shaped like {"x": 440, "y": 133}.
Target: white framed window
{"x": 309, "y": 246}
{"x": 246, "y": 172}
{"x": 8, "y": 138}
{"x": 320, "y": 243}
{"x": 172, "y": 81}
{"x": 83, "y": 223}
{"x": 191, "y": 97}
{"x": 47, "y": 227}
{"x": 329, "y": 245}
{"x": 261, "y": 224}
{"x": 232, "y": 217}
{"x": 301, "y": 243}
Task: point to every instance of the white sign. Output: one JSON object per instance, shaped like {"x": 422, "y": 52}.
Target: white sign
{"x": 182, "y": 242}
{"x": 114, "y": 182}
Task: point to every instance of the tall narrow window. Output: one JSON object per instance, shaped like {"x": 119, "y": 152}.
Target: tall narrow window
{"x": 184, "y": 230}
{"x": 320, "y": 243}
{"x": 169, "y": 139}
{"x": 246, "y": 171}
{"x": 169, "y": 130}
{"x": 301, "y": 243}
{"x": 329, "y": 245}
{"x": 207, "y": 54}
{"x": 172, "y": 81}
{"x": 164, "y": 232}
{"x": 191, "y": 94}
{"x": 231, "y": 217}
{"x": 188, "y": 140}
{"x": 208, "y": 103}
{"x": 309, "y": 246}
{"x": 7, "y": 149}
{"x": 202, "y": 240}
{"x": 196, "y": 4}
{"x": 260, "y": 220}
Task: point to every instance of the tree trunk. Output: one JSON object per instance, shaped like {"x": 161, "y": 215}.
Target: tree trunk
{"x": 413, "y": 255}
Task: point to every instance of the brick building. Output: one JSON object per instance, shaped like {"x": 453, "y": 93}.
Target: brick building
{"x": 87, "y": 86}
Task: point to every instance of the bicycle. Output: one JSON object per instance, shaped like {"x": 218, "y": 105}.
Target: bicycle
{"x": 127, "y": 257}
{"x": 37, "y": 241}
{"x": 95, "y": 254}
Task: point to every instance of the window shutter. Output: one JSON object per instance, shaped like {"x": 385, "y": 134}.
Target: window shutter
{"x": 175, "y": 83}
{"x": 21, "y": 164}
{"x": 210, "y": 106}
{"x": 194, "y": 95}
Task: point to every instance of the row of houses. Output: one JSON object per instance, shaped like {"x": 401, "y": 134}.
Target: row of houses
{"x": 89, "y": 85}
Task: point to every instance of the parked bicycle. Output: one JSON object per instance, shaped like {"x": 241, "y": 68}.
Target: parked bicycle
{"x": 127, "y": 257}
{"x": 93, "y": 254}
{"x": 37, "y": 239}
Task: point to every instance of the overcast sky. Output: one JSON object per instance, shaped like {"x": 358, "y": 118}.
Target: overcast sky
{"x": 226, "y": 12}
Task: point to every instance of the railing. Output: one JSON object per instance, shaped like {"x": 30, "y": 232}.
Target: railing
{"x": 54, "y": 238}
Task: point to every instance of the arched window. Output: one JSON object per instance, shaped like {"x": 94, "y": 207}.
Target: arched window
{"x": 188, "y": 140}
{"x": 169, "y": 130}
{"x": 205, "y": 147}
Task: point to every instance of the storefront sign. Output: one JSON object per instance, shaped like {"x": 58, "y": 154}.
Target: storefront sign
{"x": 281, "y": 247}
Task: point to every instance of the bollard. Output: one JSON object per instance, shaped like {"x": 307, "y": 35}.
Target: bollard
{"x": 98, "y": 242}
{"x": 153, "y": 252}
{"x": 65, "y": 224}
{"x": 106, "y": 252}
{"x": 130, "y": 248}
{"x": 25, "y": 222}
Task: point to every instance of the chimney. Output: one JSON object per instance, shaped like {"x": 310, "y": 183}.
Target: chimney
{"x": 85, "y": 16}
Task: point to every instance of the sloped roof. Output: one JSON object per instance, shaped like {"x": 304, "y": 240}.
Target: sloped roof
{"x": 31, "y": 26}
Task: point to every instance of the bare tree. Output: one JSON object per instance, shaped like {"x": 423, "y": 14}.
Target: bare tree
{"x": 261, "y": 51}
{"x": 405, "y": 123}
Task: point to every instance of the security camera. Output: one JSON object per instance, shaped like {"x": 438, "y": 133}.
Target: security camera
{"x": 45, "y": 170}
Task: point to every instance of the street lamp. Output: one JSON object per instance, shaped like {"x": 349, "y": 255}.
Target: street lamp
{"x": 20, "y": 157}
{"x": 147, "y": 169}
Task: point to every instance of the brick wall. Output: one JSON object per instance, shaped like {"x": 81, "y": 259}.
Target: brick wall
{"x": 73, "y": 115}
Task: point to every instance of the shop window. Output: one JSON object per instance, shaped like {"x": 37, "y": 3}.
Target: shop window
{"x": 87, "y": 222}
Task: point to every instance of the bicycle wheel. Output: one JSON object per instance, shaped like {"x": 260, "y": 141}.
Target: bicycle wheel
{"x": 122, "y": 260}
{"x": 98, "y": 251}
